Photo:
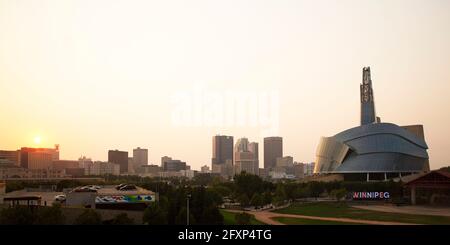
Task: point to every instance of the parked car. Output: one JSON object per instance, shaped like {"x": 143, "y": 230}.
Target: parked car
{"x": 128, "y": 188}
{"x": 60, "y": 198}
{"x": 120, "y": 186}
{"x": 84, "y": 189}
{"x": 95, "y": 187}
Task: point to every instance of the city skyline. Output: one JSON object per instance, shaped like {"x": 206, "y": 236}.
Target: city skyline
{"x": 72, "y": 73}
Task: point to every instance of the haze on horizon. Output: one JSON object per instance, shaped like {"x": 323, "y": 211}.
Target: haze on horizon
{"x": 98, "y": 75}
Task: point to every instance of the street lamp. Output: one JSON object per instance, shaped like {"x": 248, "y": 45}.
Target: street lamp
{"x": 187, "y": 212}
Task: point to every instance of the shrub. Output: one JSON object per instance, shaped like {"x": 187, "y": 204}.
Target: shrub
{"x": 243, "y": 218}
{"x": 88, "y": 217}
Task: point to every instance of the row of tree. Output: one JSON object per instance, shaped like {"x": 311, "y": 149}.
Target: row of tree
{"x": 37, "y": 215}
{"x": 172, "y": 207}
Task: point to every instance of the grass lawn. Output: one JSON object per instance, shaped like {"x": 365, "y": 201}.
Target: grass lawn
{"x": 297, "y": 221}
{"x": 228, "y": 218}
{"x": 342, "y": 210}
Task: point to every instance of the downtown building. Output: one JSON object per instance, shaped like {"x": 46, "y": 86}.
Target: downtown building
{"x": 246, "y": 157}
{"x": 11, "y": 156}
{"x": 140, "y": 158}
{"x": 150, "y": 170}
{"x": 98, "y": 168}
{"x": 171, "y": 165}
{"x": 222, "y": 155}
{"x": 71, "y": 167}
{"x": 38, "y": 158}
{"x": 374, "y": 150}
{"x": 19, "y": 173}
{"x": 35, "y": 163}
{"x": 175, "y": 168}
{"x": 120, "y": 158}
{"x": 273, "y": 149}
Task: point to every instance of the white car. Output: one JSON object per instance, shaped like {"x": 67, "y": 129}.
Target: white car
{"x": 60, "y": 198}
{"x": 94, "y": 187}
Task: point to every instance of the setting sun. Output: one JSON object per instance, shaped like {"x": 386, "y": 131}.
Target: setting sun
{"x": 37, "y": 140}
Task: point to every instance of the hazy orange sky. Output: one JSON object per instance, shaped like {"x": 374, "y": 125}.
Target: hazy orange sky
{"x": 102, "y": 74}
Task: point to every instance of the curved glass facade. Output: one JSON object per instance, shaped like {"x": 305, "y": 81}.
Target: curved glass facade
{"x": 372, "y": 148}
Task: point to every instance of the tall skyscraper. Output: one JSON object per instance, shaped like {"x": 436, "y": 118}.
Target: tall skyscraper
{"x": 222, "y": 149}
{"x": 241, "y": 145}
{"x": 245, "y": 159}
{"x": 222, "y": 157}
{"x": 119, "y": 157}
{"x": 273, "y": 148}
{"x": 253, "y": 148}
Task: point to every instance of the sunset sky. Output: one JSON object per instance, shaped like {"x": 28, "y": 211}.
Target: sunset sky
{"x": 93, "y": 75}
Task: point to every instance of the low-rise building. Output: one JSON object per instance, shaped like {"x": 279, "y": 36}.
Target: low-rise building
{"x": 286, "y": 161}
{"x": 226, "y": 170}
{"x": 205, "y": 169}
{"x": 299, "y": 170}
{"x": 149, "y": 169}
{"x": 108, "y": 197}
{"x": 64, "y": 164}
{"x": 169, "y": 174}
{"x": 13, "y": 156}
{"x": 309, "y": 168}
{"x": 15, "y": 172}
{"x": 170, "y": 165}
{"x": 188, "y": 173}
{"x": 102, "y": 168}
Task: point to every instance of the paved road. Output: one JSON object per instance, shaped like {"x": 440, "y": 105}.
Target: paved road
{"x": 421, "y": 210}
{"x": 267, "y": 217}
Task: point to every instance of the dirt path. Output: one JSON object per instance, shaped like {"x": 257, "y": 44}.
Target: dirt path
{"x": 267, "y": 217}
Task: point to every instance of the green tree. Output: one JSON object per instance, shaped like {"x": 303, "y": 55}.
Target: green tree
{"x": 181, "y": 218}
{"x": 120, "y": 219}
{"x": 302, "y": 192}
{"x": 257, "y": 200}
{"x": 248, "y": 184}
{"x": 316, "y": 188}
{"x": 154, "y": 215}
{"x": 290, "y": 190}
{"x": 18, "y": 215}
{"x": 212, "y": 216}
{"x": 222, "y": 190}
{"x": 280, "y": 195}
{"x": 267, "y": 198}
{"x": 163, "y": 203}
{"x": 243, "y": 200}
{"x": 339, "y": 193}
{"x": 50, "y": 215}
{"x": 215, "y": 198}
{"x": 243, "y": 218}
{"x": 89, "y": 217}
